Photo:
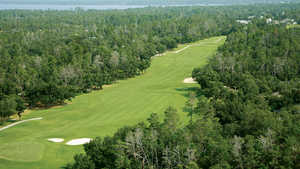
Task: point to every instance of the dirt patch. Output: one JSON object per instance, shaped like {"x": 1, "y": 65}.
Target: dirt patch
{"x": 189, "y": 80}
{"x": 107, "y": 86}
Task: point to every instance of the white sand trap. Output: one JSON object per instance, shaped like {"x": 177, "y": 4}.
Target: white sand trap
{"x": 78, "y": 141}
{"x": 189, "y": 80}
{"x": 56, "y": 140}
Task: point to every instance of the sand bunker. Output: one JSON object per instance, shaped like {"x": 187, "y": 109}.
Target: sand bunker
{"x": 78, "y": 141}
{"x": 189, "y": 80}
{"x": 56, "y": 140}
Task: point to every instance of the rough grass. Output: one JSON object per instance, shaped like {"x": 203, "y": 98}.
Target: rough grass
{"x": 101, "y": 113}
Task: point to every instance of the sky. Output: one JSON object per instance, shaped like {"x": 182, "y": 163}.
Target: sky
{"x": 139, "y": 2}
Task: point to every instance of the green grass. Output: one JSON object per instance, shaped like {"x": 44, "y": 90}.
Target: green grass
{"x": 293, "y": 26}
{"x": 22, "y": 151}
{"x": 101, "y": 113}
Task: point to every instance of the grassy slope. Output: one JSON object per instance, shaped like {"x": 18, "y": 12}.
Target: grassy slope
{"x": 101, "y": 113}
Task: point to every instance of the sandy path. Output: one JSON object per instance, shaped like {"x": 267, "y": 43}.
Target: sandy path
{"x": 218, "y": 40}
{"x": 178, "y": 51}
{"x": 19, "y": 122}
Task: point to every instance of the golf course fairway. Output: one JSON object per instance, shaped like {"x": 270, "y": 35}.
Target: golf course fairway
{"x": 101, "y": 113}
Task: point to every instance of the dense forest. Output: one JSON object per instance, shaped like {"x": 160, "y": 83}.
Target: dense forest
{"x": 245, "y": 114}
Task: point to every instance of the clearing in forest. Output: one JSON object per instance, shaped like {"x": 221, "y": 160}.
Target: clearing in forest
{"x": 101, "y": 113}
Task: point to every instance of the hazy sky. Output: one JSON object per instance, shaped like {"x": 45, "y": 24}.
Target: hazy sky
{"x": 142, "y": 2}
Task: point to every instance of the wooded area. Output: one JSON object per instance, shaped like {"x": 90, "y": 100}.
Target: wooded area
{"x": 245, "y": 114}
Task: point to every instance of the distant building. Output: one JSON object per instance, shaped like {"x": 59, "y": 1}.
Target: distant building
{"x": 243, "y": 21}
{"x": 251, "y": 17}
{"x": 276, "y": 22}
{"x": 288, "y": 21}
{"x": 285, "y": 21}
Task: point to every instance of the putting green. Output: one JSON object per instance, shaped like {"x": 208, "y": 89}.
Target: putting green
{"x": 101, "y": 113}
{"x": 22, "y": 151}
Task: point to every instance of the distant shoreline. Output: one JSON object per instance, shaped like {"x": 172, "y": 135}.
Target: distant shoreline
{"x": 87, "y": 7}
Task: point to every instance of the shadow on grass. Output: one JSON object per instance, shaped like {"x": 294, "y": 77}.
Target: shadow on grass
{"x": 185, "y": 91}
{"x": 11, "y": 120}
{"x": 7, "y": 121}
{"x": 186, "y": 109}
